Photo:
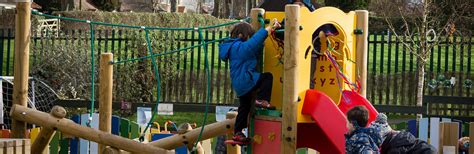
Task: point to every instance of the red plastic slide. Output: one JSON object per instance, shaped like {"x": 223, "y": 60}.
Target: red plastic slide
{"x": 350, "y": 99}
{"x": 327, "y": 136}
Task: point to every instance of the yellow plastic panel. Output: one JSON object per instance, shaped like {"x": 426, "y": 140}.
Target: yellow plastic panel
{"x": 271, "y": 62}
{"x": 325, "y": 75}
{"x": 34, "y": 133}
{"x": 310, "y": 21}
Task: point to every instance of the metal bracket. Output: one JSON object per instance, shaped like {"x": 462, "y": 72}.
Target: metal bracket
{"x": 358, "y": 31}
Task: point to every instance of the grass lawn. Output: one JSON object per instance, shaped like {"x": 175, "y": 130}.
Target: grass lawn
{"x": 446, "y": 57}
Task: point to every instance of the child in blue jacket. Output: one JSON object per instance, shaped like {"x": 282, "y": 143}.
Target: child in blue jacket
{"x": 242, "y": 49}
{"x": 359, "y": 139}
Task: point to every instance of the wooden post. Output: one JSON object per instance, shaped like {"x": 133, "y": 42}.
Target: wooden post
{"x": 361, "y": 49}
{"x": 67, "y": 126}
{"x": 46, "y": 134}
{"x": 290, "y": 77}
{"x": 211, "y": 130}
{"x": 230, "y": 148}
{"x": 105, "y": 94}
{"x": 184, "y": 128}
{"x": 256, "y": 25}
{"x": 254, "y": 16}
{"x": 21, "y": 64}
{"x": 110, "y": 150}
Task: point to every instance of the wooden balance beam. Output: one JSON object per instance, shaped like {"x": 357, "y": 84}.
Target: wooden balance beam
{"x": 45, "y": 135}
{"x": 211, "y": 130}
{"x": 67, "y": 126}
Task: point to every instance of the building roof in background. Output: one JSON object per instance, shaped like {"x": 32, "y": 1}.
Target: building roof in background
{"x": 35, "y": 6}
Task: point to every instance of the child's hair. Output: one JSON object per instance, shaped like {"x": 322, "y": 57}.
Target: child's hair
{"x": 242, "y": 30}
{"x": 358, "y": 114}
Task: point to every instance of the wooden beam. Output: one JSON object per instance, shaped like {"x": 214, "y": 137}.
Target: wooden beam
{"x": 105, "y": 94}
{"x": 46, "y": 134}
{"x": 21, "y": 64}
{"x": 211, "y": 130}
{"x": 290, "y": 77}
{"x": 184, "y": 128}
{"x": 361, "y": 49}
{"x": 67, "y": 126}
{"x": 111, "y": 150}
{"x": 230, "y": 148}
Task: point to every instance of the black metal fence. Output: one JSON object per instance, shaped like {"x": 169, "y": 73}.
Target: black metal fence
{"x": 183, "y": 76}
{"x": 391, "y": 69}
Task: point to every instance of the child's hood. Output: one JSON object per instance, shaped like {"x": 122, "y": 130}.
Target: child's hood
{"x": 225, "y": 47}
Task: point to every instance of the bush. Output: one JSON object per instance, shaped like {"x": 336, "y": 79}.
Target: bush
{"x": 8, "y": 19}
{"x": 66, "y": 66}
{"x": 140, "y": 19}
{"x": 63, "y": 67}
{"x": 137, "y": 81}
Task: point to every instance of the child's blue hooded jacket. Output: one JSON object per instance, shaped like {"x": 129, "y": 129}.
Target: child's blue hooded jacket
{"x": 363, "y": 140}
{"x": 243, "y": 60}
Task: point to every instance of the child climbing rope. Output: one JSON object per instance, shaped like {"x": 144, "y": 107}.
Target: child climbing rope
{"x": 360, "y": 139}
{"x": 242, "y": 50}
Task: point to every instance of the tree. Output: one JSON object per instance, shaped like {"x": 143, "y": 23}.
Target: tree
{"x": 49, "y": 5}
{"x": 217, "y": 7}
{"x": 347, "y": 5}
{"x": 421, "y": 28}
{"x": 238, "y": 8}
{"x": 174, "y": 5}
{"x": 222, "y": 8}
{"x": 107, "y": 5}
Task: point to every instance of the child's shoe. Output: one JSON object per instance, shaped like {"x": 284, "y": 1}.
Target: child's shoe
{"x": 240, "y": 137}
{"x": 264, "y": 104}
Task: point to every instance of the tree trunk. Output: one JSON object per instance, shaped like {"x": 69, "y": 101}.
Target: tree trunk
{"x": 198, "y": 6}
{"x": 216, "y": 10}
{"x": 227, "y": 6}
{"x": 238, "y": 8}
{"x": 174, "y": 5}
{"x": 420, "y": 85}
{"x": 422, "y": 55}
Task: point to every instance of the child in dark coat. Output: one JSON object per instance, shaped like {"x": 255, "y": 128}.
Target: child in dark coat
{"x": 242, "y": 50}
{"x": 395, "y": 142}
{"x": 360, "y": 139}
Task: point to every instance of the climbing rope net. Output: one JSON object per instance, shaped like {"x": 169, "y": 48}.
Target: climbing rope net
{"x": 40, "y": 97}
{"x": 151, "y": 55}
